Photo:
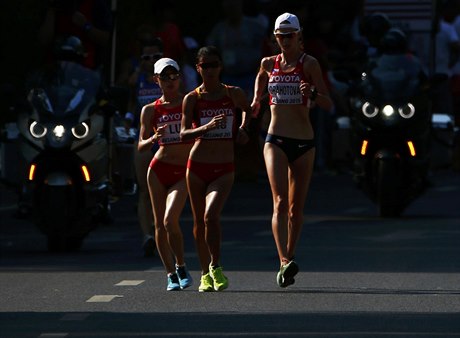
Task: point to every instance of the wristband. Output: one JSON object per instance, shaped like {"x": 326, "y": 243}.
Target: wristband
{"x": 246, "y": 130}
{"x": 313, "y": 94}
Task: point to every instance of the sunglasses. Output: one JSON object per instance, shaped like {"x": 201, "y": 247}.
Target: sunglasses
{"x": 206, "y": 65}
{"x": 287, "y": 35}
{"x": 169, "y": 77}
{"x": 147, "y": 57}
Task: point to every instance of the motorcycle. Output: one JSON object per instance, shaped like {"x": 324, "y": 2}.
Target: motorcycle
{"x": 63, "y": 139}
{"x": 390, "y": 128}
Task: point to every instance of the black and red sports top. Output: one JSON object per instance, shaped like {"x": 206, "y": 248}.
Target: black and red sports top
{"x": 205, "y": 110}
{"x": 284, "y": 87}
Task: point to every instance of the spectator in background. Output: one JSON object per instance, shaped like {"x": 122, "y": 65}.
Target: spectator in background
{"x": 257, "y": 10}
{"x": 128, "y": 66}
{"x": 89, "y": 20}
{"x": 145, "y": 90}
{"x": 455, "y": 82}
{"x": 126, "y": 133}
{"x": 162, "y": 25}
{"x": 316, "y": 43}
{"x": 123, "y": 173}
{"x": 240, "y": 39}
{"x": 189, "y": 73}
{"x": 455, "y": 86}
{"x": 447, "y": 49}
{"x": 134, "y": 77}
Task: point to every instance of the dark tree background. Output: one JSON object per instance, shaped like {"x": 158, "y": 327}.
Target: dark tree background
{"x": 19, "y": 21}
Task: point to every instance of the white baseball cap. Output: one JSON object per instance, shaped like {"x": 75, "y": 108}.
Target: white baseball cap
{"x": 287, "y": 20}
{"x": 161, "y": 64}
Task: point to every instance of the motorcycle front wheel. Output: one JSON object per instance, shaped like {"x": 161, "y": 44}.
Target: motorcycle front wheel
{"x": 58, "y": 243}
{"x": 388, "y": 182}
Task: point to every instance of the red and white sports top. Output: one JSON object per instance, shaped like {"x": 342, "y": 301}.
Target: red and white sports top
{"x": 205, "y": 110}
{"x": 284, "y": 88}
{"x": 172, "y": 118}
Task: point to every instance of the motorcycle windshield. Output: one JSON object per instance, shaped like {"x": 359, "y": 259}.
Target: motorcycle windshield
{"x": 72, "y": 90}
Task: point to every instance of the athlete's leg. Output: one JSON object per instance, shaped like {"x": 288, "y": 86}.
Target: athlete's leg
{"x": 144, "y": 208}
{"x": 159, "y": 194}
{"x": 277, "y": 170}
{"x": 197, "y": 192}
{"x": 216, "y": 195}
{"x": 300, "y": 172}
{"x": 175, "y": 202}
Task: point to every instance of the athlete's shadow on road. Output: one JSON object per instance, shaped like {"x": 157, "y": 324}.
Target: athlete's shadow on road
{"x": 202, "y": 324}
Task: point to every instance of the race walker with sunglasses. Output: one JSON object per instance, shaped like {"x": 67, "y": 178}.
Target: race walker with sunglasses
{"x": 169, "y": 77}
{"x": 207, "y": 65}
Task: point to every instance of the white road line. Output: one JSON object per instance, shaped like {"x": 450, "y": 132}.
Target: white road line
{"x": 130, "y": 282}
{"x": 103, "y": 298}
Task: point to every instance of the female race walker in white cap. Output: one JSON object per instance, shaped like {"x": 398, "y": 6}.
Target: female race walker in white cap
{"x": 295, "y": 83}
{"x": 166, "y": 173}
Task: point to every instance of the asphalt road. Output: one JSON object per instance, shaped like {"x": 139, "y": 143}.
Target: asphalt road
{"x": 360, "y": 276}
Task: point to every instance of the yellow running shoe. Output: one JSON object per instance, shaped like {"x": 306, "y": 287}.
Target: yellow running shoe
{"x": 206, "y": 283}
{"x": 285, "y": 276}
{"x": 220, "y": 281}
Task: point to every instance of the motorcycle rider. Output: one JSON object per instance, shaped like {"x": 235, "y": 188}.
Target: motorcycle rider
{"x": 395, "y": 58}
{"x": 67, "y": 49}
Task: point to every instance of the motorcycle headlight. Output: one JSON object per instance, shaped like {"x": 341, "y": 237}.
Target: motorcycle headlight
{"x": 37, "y": 130}
{"x": 369, "y": 110}
{"x": 407, "y": 111}
{"x": 59, "y": 132}
{"x": 81, "y": 130}
{"x": 388, "y": 110}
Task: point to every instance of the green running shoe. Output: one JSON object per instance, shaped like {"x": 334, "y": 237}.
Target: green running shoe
{"x": 220, "y": 281}
{"x": 206, "y": 283}
{"x": 285, "y": 276}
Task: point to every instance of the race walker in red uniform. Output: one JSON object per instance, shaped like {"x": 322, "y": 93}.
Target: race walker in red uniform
{"x": 205, "y": 111}
{"x": 209, "y": 118}
{"x": 283, "y": 86}
{"x": 295, "y": 83}
{"x": 166, "y": 173}
{"x": 170, "y": 119}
